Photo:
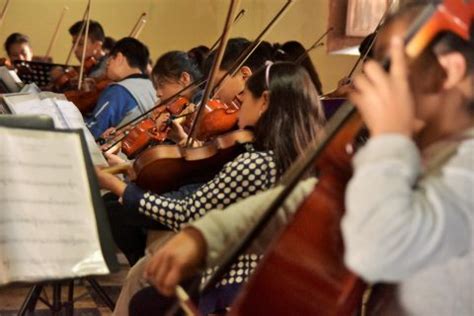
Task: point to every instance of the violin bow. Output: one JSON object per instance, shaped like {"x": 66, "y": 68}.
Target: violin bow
{"x": 211, "y": 80}
{"x": 81, "y": 31}
{"x": 137, "y": 29}
{"x": 4, "y": 11}
{"x": 254, "y": 45}
{"x": 239, "y": 16}
{"x": 56, "y": 31}
{"x": 86, "y": 36}
{"x": 316, "y": 44}
{"x": 185, "y": 302}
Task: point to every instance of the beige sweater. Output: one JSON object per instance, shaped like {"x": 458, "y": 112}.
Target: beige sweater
{"x": 224, "y": 229}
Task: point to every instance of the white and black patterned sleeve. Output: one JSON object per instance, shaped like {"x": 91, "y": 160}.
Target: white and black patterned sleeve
{"x": 248, "y": 174}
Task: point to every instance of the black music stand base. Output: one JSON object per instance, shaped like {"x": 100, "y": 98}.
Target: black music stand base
{"x": 57, "y": 307}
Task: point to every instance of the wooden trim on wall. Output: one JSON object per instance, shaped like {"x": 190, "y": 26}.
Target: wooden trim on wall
{"x": 337, "y": 39}
{"x": 350, "y": 28}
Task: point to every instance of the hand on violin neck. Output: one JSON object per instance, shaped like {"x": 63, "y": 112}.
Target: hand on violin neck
{"x": 177, "y": 133}
{"x": 385, "y": 100}
{"x": 161, "y": 122}
{"x": 108, "y": 133}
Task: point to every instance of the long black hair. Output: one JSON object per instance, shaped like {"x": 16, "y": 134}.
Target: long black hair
{"x": 294, "y": 116}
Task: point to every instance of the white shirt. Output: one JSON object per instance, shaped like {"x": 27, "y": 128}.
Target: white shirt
{"x": 403, "y": 226}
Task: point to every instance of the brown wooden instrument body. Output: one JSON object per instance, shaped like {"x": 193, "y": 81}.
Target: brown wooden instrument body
{"x": 164, "y": 168}
{"x": 218, "y": 118}
{"x": 87, "y": 100}
{"x": 138, "y": 138}
{"x": 68, "y": 79}
{"x": 217, "y": 122}
{"x": 304, "y": 271}
{"x": 145, "y": 131}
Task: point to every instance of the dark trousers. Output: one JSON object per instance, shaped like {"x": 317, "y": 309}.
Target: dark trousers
{"x": 129, "y": 228}
{"x": 149, "y": 301}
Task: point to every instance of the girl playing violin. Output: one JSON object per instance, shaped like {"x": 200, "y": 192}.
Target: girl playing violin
{"x": 279, "y": 99}
{"x": 172, "y": 72}
{"x": 232, "y": 85}
{"x": 127, "y": 227}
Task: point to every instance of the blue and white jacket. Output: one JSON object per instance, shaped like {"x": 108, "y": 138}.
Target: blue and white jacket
{"x": 121, "y": 102}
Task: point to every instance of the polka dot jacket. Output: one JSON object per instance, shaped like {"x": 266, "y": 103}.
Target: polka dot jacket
{"x": 249, "y": 173}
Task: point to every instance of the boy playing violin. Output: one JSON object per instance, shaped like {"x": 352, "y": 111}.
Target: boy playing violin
{"x": 18, "y": 47}
{"x": 131, "y": 93}
{"x": 94, "y": 50}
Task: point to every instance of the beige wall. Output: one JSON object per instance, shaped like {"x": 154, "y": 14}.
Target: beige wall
{"x": 177, "y": 24}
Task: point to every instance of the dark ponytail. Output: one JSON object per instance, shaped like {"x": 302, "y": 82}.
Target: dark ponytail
{"x": 172, "y": 64}
{"x": 292, "y": 51}
{"x": 198, "y": 55}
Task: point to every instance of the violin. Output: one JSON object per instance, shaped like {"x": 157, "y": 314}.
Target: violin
{"x": 85, "y": 101}
{"x": 320, "y": 283}
{"x": 145, "y": 131}
{"x": 66, "y": 79}
{"x": 218, "y": 118}
{"x": 165, "y": 168}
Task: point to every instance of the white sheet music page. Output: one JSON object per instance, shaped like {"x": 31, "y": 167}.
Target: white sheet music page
{"x": 74, "y": 120}
{"x": 64, "y": 113}
{"x": 47, "y": 220}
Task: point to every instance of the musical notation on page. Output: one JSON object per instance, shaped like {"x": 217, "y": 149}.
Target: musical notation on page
{"x": 47, "y": 223}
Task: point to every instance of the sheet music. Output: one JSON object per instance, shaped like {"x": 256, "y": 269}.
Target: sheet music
{"x": 64, "y": 113}
{"x": 47, "y": 220}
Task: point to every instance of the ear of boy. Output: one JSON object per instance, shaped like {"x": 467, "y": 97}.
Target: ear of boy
{"x": 455, "y": 67}
{"x": 246, "y": 72}
{"x": 185, "y": 79}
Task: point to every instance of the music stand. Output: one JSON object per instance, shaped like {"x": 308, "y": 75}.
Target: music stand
{"x": 44, "y": 122}
{"x": 35, "y": 71}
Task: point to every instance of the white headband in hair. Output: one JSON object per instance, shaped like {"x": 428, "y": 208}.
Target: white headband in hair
{"x": 269, "y": 64}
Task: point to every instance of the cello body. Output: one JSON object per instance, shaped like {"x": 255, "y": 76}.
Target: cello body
{"x": 304, "y": 271}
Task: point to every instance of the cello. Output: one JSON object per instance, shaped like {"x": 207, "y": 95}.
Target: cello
{"x": 319, "y": 283}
